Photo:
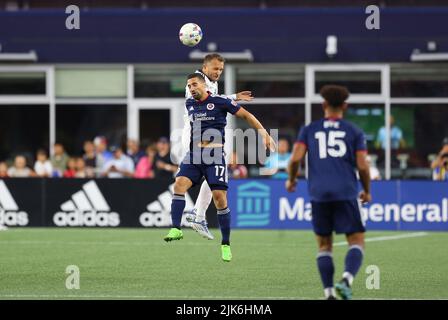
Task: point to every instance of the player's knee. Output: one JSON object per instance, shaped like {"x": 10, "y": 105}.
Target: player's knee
{"x": 325, "y": 243}
{"x": 220, "y": 199}
{"x": 181, "y": 186}
{"x": 356, "y": 239}
{"x": 325, "y": 247}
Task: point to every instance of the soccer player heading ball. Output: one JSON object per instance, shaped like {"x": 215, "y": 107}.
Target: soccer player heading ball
{"x": 212, "y": 68}
{"x": 335, "y": 149}
{"x": 207, "y": 114}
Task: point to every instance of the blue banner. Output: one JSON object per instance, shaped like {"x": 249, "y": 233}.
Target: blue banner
{"x": 396, "y": 205}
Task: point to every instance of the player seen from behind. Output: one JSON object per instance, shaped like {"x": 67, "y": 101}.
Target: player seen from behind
{"x": 336, "y": 148}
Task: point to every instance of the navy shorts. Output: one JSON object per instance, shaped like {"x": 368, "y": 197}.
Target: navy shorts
{"x": 339, "y": 216}
{"x": 215, "y": 173}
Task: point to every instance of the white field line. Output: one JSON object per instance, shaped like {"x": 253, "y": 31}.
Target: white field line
{"x": 387, "y": 238}
{"x": 203, "y": 243}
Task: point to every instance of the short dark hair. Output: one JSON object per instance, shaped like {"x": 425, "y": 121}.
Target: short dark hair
{"x": 196, "y": 75}
{"x": 213, "y": 56}
{"x": 335, "y": 95}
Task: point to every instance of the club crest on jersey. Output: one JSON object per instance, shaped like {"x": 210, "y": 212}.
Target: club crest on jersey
{"x": 210, "y": 106}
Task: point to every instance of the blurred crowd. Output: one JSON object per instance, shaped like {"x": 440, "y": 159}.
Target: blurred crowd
{"x": 154, "y": 161}
{"x": 98, "y": 160}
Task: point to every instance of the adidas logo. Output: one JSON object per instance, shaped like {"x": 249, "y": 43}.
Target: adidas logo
{"x": 159, "y": 212}
{"x": 87, "y": 207}
{"x": 191, "y": 108}
{"x": 9, "y": 210}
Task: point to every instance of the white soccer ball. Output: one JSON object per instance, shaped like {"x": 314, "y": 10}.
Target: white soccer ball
{"x": 190, "y": 34}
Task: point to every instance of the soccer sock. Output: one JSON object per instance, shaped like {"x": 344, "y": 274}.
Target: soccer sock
{"x": 353, "y": 261}
{"x": 177, "y": 209}
{"x": 203, "y": 201}
{"x": 224, "y": 224}
{"x": 326, "y": 270}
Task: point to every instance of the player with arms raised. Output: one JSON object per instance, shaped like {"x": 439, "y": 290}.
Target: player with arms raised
{"x": 205, "y": 158}
{"x": 212, "y": 68}
{"x": 335, "y": 149}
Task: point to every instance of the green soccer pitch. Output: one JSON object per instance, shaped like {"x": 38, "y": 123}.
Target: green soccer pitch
{"x": 138, "y": 264}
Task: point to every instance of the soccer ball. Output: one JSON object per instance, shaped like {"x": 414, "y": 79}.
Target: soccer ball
{"x": 190, "y": 34}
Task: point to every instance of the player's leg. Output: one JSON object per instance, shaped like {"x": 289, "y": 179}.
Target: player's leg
{"x": 187, "y": 176}
{"x": 202, "y": 203}
{"x": 353, "y": 262}
{"x": 181, "y": 186}
{"x": 351, "y": 223}
{"x": 220, "y": 200}
{"x": 354, "y": 257}
{"x": 323, "y": 228}
{"x": 325, "y": 264}
{"x": 199, "y": 223}
{"x": 217, "y": 178}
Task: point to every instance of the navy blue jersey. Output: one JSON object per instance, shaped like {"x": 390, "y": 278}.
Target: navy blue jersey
{"x": 332, "y": 145}
{"x": 208, "y": 118}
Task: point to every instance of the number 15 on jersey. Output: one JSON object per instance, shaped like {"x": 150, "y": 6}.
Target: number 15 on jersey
{"x": 332, "y": 144}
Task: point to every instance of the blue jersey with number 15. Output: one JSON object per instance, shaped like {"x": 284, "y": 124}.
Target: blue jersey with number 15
{"x": 332, "y": 145}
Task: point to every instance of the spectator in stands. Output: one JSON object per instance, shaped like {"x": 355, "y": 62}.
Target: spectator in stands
{"x": 42, "y": 166}
{"x": 164, "y": 167}
{"x": 236, "y": 170}
{"x": 19, "y": 169}
{"x": 90, "y": 159}
{"x": 103, "y": 155}
{"x": 3, "y": 169}
{"x": 438, "y": 160}
{"x": 134, "y": 151}
{"x": 440, "y": 164}
{"x": 145, "y": 167}
{"x": 440, "y": 173}
{"x": 70, "y": 172}
{"x": 81, "y": 170}
{"x": 59, "y": 159}
{"x": 396, "y": 136}
{"x": 119, "y": 166}
{"x": 277, "y": 163}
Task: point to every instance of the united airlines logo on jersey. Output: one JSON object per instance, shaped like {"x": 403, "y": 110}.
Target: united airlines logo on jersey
{"x": 10, "y": 214}
{"x": 210, "y": 106}
{"x": 253, "y": 205}
{"x": 158, "y": 212}
{"x": 87, "y": 207}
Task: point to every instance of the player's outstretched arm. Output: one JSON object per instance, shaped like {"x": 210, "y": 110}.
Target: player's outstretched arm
{"x": 268, "y": 142}
{"x": 297, "y": 155}
{"x": 364, "y": 176}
